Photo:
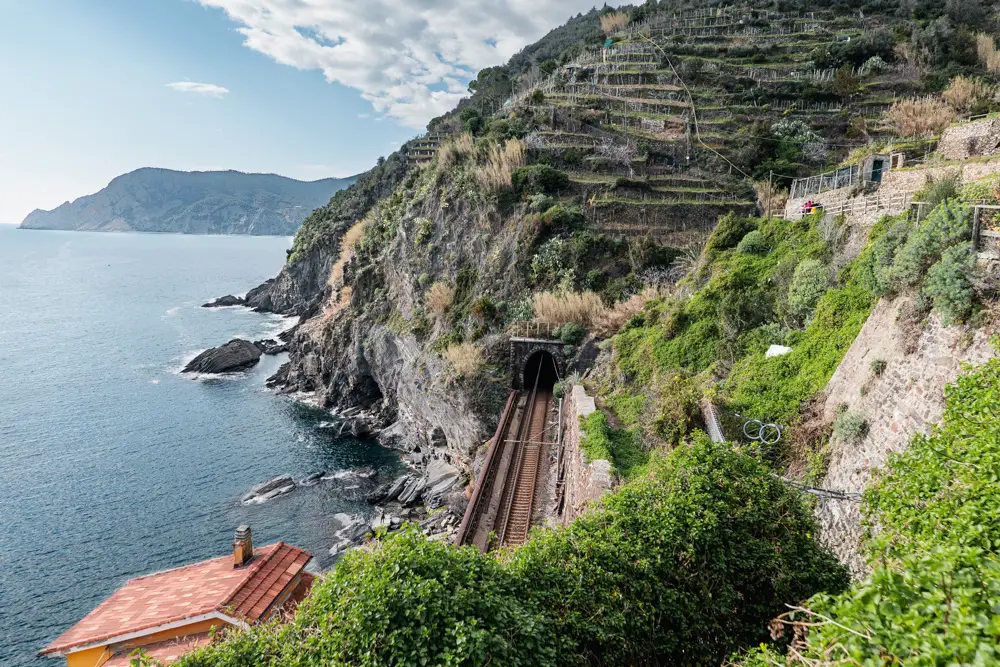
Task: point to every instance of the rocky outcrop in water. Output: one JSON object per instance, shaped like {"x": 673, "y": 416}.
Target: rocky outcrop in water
{"x": 279, "y": 486}
{"x": 224, "y": 302}
{"x": 236, "y": 355}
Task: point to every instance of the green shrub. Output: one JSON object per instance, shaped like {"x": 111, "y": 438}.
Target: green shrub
{"x": 540, "y": 203}
{"x": 538, "y": 97}
{"x": 944, "y": 489}
{"x": 939, "y": 190}
{"x": 753, "y": 243}
{"x": 538, "y": 179}
{"x": 931, "y": 609}
{"x": 572, "y": 333}
{"x": 934, "y": 538}
{"x": 594, "y": 440}
{"x": 558, "y": 390}
{"x": 728, "y": 232}
{"x": 949, "y": 283}
{"x": 850, "y": 427}
{"x": 679, "y": 567}
{"x": 878, "y": 367}
{"x": 683, "y": 566}
{"x": 560, "y": 218}
{"x": 947, "y": 225}
{"x": 809, "y": 283}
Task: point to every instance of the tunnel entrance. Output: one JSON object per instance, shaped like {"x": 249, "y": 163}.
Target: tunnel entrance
{"x": 542, "y": 365}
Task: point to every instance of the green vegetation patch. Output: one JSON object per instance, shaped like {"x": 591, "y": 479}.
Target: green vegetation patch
{"x": 710, "y": 540}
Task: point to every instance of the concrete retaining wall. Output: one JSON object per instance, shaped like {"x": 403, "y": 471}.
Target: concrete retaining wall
{"x": 585, "y": 483}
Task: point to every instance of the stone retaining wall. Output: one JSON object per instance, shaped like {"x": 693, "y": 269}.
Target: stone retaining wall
{"x": 585, "y": 482}
{"x": 981, "y": 137}
{"x": 907, "y": 398}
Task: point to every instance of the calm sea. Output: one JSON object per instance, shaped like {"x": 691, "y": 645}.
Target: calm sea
{"x": 111, "y": 463}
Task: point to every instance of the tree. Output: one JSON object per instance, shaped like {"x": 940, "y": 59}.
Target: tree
{"x": 844, "y": 82}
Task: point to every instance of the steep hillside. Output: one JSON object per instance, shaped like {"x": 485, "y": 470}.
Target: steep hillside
{"x": 618, "y": 205}
{"x": 162, "y": 200}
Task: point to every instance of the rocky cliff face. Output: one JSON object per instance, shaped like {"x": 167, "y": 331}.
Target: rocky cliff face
{"x": 162, "y": 200}
{"x": 374, "y": 343}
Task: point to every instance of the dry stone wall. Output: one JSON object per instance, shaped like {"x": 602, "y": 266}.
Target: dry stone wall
{"x": 905, "y": 399}
{"x": 585, "y": 482}
{"x": 960, "y": 142}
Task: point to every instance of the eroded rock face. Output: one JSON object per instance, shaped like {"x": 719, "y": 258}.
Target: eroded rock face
{"x": 236, "y": 355}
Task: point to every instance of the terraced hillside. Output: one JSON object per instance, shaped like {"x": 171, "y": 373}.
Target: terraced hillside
{"x": 668, "y": 123}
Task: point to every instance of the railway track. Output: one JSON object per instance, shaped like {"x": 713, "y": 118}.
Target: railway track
{"x": 500, "y": 511}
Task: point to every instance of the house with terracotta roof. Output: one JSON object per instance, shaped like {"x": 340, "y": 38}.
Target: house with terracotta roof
{"x": 170, "y": 613}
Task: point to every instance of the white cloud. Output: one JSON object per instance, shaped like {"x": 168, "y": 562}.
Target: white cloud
{"x": 411, "y": 60}
{"x": 209, "y": 89}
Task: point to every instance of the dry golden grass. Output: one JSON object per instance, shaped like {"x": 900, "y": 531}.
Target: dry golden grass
{"x": 770, "y": 197}
{"x": 988, "y": 54}
{"x": 439, "y": 297}
{"x": 501, "y": 161}
{"x": 465, "y": 359}
{"x": 963, "y": 93}
{"x": 611, "y": 320}
{"x": 347, "y": 244}
{"x": 559, "y": 308}
{"x": 456, "y": 150}
{"x": 920, "y": 116}
{"x": 613, "y": 21}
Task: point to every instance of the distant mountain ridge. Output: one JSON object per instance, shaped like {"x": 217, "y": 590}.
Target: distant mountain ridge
{"x": 195, "y": 202}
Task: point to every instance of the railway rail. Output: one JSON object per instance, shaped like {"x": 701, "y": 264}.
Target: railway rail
{"x": 506, "y": 493}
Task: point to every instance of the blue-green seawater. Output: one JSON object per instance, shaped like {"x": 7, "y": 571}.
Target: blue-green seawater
{"x": 112, "y": 464}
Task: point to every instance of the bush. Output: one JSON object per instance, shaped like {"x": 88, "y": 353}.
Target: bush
{"x": 949, "y": 283}
{"x": 682, "y": 566}
{"x": 943, "y": 490}
{"x": 878, "y": 367}
{"x": 809, "y": 284}
{"x": 439, "y": 297}
{"x": 563, "y": 218}
{"x": 919, "y": 116}
{"x": 753, "y": 243}
{"x": 850, "y": 427}
{"x": 934, "y": 536}
{"x": 572, "y": 333}
{"x": 538, "y": 179}
{"x": 947, "y": 225}
{"x": 465, "y": 359}
{"x": 931, "y": 609}
{"x": 728, "y": 232}
{"x": 539, "y": 203}
{"x": 537, "y": 97}
{"x": 937, "y": 190}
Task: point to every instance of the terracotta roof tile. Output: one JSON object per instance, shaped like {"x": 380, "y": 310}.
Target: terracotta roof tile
{"x": 165, "y": 652}
{"x": 171, "y": 596}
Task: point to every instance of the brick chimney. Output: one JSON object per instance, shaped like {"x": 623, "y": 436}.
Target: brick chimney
{"x": 242, "y": 546}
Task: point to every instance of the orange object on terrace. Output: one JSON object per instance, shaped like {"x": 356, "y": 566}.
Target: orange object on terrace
{"x": 170, "y": 613}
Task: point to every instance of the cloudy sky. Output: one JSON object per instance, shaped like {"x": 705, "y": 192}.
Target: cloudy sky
{"x": 305, "y": 88}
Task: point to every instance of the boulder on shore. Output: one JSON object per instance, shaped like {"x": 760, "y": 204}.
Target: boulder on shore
{"x": 271, "y": 347}
{"x": 236, "y": 355}
{"x": 223, "y": 301}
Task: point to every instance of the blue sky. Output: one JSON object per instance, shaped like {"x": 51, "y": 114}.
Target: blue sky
{"x": 303, "y": 88}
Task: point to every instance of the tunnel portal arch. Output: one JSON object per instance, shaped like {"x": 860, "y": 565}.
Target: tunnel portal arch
{"x": 539, "y": 355}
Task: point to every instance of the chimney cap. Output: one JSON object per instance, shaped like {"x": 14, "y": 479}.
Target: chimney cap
{"x": 242, "y": 532}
